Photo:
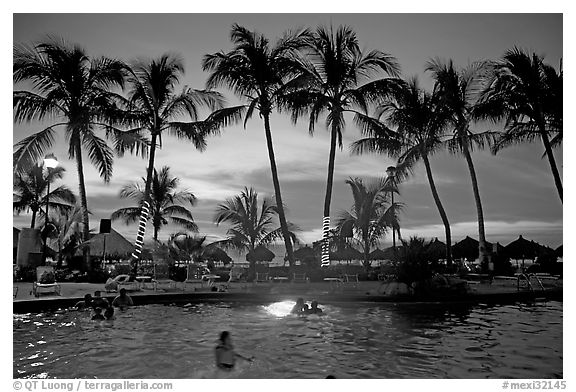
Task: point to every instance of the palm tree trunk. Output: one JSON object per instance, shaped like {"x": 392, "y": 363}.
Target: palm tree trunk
{"x": 145, "y": 211}
{"x": 366, "y": 255}
{"x": 279, "y": 204}
{"x": 482, "y": 252}
{"x": 328, "y": 197}
{"x": 551, "y": 160}
{"x": 84, "y": 205}
{"x": 33, "y": 223}
{"x": 440, "y": 210}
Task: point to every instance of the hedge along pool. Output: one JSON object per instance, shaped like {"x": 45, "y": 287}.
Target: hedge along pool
{"x": 351, "y": 340}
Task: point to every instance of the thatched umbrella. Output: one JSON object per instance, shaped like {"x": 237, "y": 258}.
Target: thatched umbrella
{"x": 467, "y": 248}
{"x": 521, "y": 249}
{"x": 305, "y": 252}
{"x": 499, "y": 248}
{"x": 378, "y": 254}
{"x": 347, "y": 253}
{"x": 559, "y": 251}
{"x": 111, "y": 245}
{"x": 543, "y": 250}
{"x": 436, "y": 249}
{"x": 261, "y": 253}
{"x": 214, "y": 253}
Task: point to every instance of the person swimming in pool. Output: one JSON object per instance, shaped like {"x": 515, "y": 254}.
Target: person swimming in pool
{"x": 314, "y": 309}
{"x": 123, "y": 300}
{"x": 85, "y": 304}
{"x": 98, "y": 301}
{"x": 225, "y": 354}
{"x": 109, "y": 313}
{"x": 98, "y": 314}
{"x": 299, "y": 307}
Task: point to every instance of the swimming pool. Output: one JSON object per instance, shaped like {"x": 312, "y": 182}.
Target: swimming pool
{"x": 352, "y": 340}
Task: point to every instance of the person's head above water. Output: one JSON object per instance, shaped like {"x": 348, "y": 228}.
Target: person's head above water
{"x": 88, "y": 297}
{"x": 97, "y": 293}
{"x": 225, "y": 337}
{"x": 122, "y": 292}
{"x": 314, "y": 304}
{"x": 109, "y": 312}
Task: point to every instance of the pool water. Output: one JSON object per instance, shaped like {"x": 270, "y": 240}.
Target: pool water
{"x": 352, "y": 340}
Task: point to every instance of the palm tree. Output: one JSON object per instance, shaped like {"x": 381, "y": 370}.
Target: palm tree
{"x": 370, "y": 216}
{"x": 251, "y": 225}
{"x": 166, "y": 204}
{"x": 330, "y": 82}
{"x": 457, "y": 92}
{"x": 68, "y": 233}
{"x": 72, "y": 89}
{"x": 527, "y": 93}
{"x": 256, "y": 71}
{"x": 30, "y": 192}
{"x": 420, "y": 122}
{"x": 154, "y": 106}
{"x": 186, "y": 246}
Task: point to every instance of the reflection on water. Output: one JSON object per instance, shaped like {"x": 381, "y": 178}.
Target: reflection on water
{"x": 348, "y": 341}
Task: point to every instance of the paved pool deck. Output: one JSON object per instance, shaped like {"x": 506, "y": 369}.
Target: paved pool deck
{"x": 499, "y": 291}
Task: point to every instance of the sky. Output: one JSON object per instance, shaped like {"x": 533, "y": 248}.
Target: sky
{"x": 516, "y": 186}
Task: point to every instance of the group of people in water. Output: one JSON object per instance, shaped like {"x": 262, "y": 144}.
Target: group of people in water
{"x": 302, "y": 308}
{"x": 98, "y": 304}
{"x": 224, "y": 351}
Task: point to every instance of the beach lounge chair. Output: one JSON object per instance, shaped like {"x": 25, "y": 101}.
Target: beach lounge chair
{"x": 162, "y": 279}
{"x": 45, "y": 281}
{"x": 121, "y": 281}
{"x": 300, "y": 277}
{"x": 237, "y": 274}
{"x": 195, "y": 277}
{"x": 262, "y": 277}
{"x": 350, "y": 281}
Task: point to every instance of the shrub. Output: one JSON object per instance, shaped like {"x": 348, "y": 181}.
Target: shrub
{"x": 178, "y": 274}
{"x": 98, "y": 276}
{"x": 26, "y": 274}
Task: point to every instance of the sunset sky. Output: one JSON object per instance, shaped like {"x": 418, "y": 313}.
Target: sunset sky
{"x": 516, "y": 186}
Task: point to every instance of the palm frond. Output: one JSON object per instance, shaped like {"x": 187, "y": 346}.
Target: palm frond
{"x": 31, "y": 149}
{"x": 99, "y": 153}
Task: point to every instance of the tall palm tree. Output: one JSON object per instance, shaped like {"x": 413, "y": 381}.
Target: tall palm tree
{"x": 257, "y": 72}
{"x": 420, "y": 122}
{"x": 73, "y": 91}
{"x": 370, "y": 216}
{"x": 252, "y": 225}
{"x": 30, "y": 192}
{"x": 330, "y": 82}
{"x": 527, "y": 93}
{"x": 154, "y": 106}
{"x": 166, "y": 204}
{"x": 457, "y": 91}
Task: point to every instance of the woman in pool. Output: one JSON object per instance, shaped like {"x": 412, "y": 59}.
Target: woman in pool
{"x": 299, "y": 307}
{"x": 225, "y": 355}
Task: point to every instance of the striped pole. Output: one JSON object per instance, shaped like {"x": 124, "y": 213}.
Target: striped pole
{"x": 325, "y": 243}
{"x": 141, "y": 230}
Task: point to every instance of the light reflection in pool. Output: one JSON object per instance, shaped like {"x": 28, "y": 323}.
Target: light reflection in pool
{"x": 280, "y": 309}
